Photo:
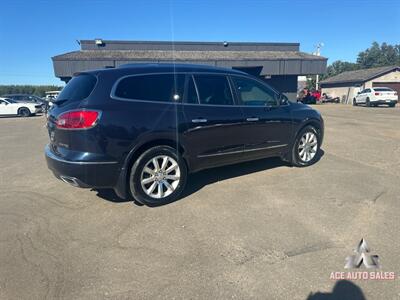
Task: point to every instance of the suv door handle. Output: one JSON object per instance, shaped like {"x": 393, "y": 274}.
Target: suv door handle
{"x": 252, "y": 119}
{"x": 199, "y": 120}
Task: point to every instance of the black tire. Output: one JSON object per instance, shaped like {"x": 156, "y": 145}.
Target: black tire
{"x": 24, "y": 112}
{"x": 135, "y": 186}
{"x": 368, "y": 103}
{"x": 354, "y": 102}
{"x": 296, "y": 160}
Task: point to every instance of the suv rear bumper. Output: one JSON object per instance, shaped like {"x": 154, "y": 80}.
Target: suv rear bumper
{"x": 83, "y": 174}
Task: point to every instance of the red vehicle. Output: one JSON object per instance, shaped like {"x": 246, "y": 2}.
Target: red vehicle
{"x": 316, "y": 95}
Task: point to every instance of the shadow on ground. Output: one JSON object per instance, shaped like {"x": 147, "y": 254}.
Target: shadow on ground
{"x": 200, "y": 179}
{"x": 343, "y": 290}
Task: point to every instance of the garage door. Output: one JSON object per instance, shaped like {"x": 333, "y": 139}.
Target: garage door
{"x": 393, "y": 85}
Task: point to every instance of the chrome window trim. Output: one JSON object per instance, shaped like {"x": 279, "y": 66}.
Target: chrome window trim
{"x": 115, "y": 85}
{"x": 190, "y": 74}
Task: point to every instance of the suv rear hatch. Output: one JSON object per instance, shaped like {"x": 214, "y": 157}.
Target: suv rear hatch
{"x": 70, "y": 122}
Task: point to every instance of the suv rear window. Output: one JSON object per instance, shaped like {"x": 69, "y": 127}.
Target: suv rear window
{"x": 78, "y": 88}
{"x": 157, "y": 87}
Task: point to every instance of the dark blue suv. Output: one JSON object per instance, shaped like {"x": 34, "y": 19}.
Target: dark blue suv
{"x": 140, "y": 129}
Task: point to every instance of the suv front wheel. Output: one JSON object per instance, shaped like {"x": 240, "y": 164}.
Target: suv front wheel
{"x": 305, "y": 149}
{"x": 158, "y": 176}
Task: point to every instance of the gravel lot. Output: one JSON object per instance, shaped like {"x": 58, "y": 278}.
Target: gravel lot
{"x": 259, "y": 230}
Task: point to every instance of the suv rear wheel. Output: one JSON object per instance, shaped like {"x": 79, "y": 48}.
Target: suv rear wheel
{"x": 158, "y": 176}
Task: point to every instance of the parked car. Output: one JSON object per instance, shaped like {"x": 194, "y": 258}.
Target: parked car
{"x": 23, "y": 109}
{"x": 376, "y": 96}
{"x": 140, "y": 129}
{"x": 26, "y": 98}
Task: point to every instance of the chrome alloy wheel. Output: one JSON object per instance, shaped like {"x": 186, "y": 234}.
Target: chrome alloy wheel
{"x": 308, "y": 146}
{"x": 160, "y": 176}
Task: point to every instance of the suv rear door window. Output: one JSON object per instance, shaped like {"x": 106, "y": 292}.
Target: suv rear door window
{"x": 157, "y": 87}
{"x": 78, "y": 88}
{"x": 214, "y": 89}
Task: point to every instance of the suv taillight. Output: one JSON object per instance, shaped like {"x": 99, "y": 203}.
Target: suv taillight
{"x": 78, "y": 119}
{"x": 377, "y": 94}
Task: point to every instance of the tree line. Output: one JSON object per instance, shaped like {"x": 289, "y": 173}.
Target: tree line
{"x": 375, "y": 56}
{"x": 38, "y": 90}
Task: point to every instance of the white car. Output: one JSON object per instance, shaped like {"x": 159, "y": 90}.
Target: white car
{"x": 376, "y": 96}
{"x": 24, "y": 109}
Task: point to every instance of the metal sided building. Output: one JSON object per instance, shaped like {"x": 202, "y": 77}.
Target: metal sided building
{"x": 279, "y": 64}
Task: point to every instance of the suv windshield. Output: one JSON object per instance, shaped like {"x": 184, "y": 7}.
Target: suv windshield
{"x": 78, "y": 88}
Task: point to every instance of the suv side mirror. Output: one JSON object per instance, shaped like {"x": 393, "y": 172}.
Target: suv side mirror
{"x": 358, "y": 93}
{"x": 283, "y": 100}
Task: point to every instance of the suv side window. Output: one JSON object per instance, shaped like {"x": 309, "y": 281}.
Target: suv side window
{"x": 367, "y": 91}
{"x": 157, "y": 87}
{"x": 214, "y": 89}
{"x": 253, "y": 93}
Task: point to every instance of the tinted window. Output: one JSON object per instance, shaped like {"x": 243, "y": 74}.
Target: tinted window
{"x": 214, "y": 89}
{"x": 161, "y": 87}
{"x": 254, "y": 93}
{"x": 367, "y": 91}
{"x": 191, "y": 96}
{"x": 78, "y": 88}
